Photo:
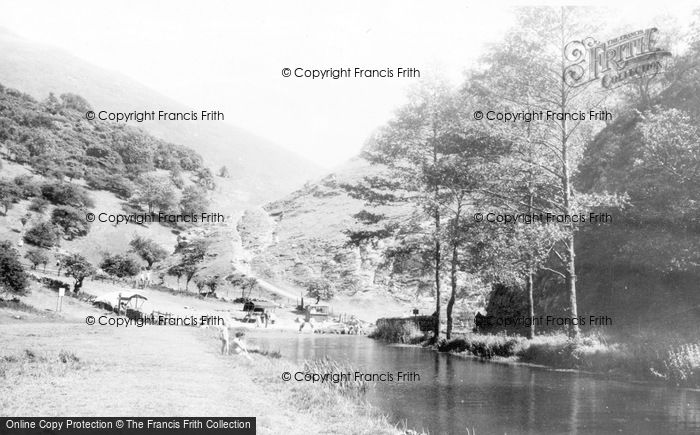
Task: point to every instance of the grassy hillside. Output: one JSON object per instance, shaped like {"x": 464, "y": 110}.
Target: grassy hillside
{"x": 302, "y": 237}
{"x": 260, "y": 170}
{"x": 56, "y": 167}
{"x": 103, "y": 236}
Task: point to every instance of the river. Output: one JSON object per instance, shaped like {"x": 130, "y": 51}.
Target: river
{"x": 455, "y": 394}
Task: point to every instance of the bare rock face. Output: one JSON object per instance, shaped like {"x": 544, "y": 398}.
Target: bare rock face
{"x": 255, "y": 229}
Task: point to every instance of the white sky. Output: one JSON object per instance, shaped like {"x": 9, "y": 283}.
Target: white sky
{"x": 228, "y": 55}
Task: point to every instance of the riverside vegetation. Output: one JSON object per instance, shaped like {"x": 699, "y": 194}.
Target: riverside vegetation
{"x": 436, "y": 168}
{"x": 639, "y": 357}
{"x": 642, "y": 168}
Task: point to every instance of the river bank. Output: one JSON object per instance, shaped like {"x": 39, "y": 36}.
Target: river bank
{"x": 645, "y": 357}
{"x": 51, "y": 369}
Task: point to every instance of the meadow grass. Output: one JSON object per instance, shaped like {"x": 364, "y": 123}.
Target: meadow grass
{"x": 346, "y": 386}
{"x": 33, "y": 364}
{"x": 16, "y": 304}
{"x": 63, "y": 368}
{"x": 341, "y": 405}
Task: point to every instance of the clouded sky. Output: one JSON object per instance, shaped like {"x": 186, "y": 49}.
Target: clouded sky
{"x": 228, "y": 55}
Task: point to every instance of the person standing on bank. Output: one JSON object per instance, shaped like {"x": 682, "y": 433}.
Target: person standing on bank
{"x": 307, "y": 319}
{"x": 224, "y": 337}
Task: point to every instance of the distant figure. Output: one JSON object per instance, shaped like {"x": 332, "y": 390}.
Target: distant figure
{"x": 144, "y": 279}
{"x": 307, "y": 319}
{"x": 239, "y": 345}
{"x": 479, "y": 322}
{"x": 224, "y": 337}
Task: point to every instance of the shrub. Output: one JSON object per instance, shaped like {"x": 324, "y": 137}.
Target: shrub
{"x": 455, "y": 345}
{"x": 120, "y": 266}
{"x": 52, "y": 284}
{"x": 122, "y": 187}
{"x": 681, "y": 365}
{"x": 485, "y": 346}
{"x": 66, "y": 194}
{"x": 194, "y": 200}
{"x": 398, "y": 331}
{"x": 71, "y": 220}
{"x": 13, "y": 279}
{"x": 38, "y": 204}
{"x": 26, "y": 186}
{"x": 36, "y": 257}
{"x": 43, "y": 235}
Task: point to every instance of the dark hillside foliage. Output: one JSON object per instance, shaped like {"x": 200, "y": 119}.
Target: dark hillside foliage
{"x": 647, "y": 263}
{"x": 55, "y": 139}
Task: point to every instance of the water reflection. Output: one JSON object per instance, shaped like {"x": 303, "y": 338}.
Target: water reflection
{"x": 455, "y": 393}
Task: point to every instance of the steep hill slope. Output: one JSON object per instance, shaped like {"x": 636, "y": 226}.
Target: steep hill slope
{"x": 260, "y": 170}
{"x": 301, "y": 238}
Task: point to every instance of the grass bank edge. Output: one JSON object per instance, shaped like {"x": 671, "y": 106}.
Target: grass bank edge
{"x": 646, "y": 357}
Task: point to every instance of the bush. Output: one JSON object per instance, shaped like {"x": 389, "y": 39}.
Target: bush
{"x": 680, "y": 365}
{"x": 26, "y": 186}
{"x": 66, "y": 194}
{"x": 122, "y": 187}
{"x": 13, "y": 279}
{"x": 43, "y": 235}
{"x": 194, "y": 200}
{"x": 71, "y": 220}
{"x": 485, "y": 346}
{"x": 398, "y": 331}
{"x": 37, "y": 257}
{"x": 52, "y": 284}
{"x": 120, "y": 266}
{"x": 38, "y": 204}
{"x": 455, "y": 345}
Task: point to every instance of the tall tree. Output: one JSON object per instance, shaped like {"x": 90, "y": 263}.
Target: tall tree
{"x": 412, "y": 146}
{"x": 191, "y": 255}
{"x": 157, "y": 192}
{"x": 531, "y": 68}
{"x": 78, "y": 267}
{"x": 9, "y": 195}
{"x": 37, "y": 256}
{"x": 194, "y": 200}
{"x": 467, "y": 158}
{"x": 149, "y": 250}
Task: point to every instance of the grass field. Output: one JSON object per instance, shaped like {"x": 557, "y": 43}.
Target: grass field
{"x": 54, "y": 364}
{"x": 56, "y": 369}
